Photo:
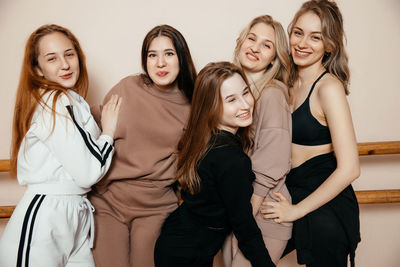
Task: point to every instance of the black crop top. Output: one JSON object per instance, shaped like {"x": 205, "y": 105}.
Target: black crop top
{"x": 307, "y": 130}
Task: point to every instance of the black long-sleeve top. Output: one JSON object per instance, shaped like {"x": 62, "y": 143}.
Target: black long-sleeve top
{"x": 224, "y": 198}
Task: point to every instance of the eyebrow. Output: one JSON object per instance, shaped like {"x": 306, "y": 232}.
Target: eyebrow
{"x": 165, "y": 50}
{"x": 228, "y": 96}
{"x": 53, "y": 53}
{"x": 267, "y": 40}
{"x": 298, "y": 28}
{"x": 244, "y": 89}
{"x": 50, "y": 54}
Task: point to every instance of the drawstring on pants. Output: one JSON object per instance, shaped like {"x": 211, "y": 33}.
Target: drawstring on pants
{"x": 91, "y": 209}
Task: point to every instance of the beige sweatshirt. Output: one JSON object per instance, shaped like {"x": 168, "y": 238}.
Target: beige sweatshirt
{"x": 271, "y": 154}
{"x": 150, "y": 124}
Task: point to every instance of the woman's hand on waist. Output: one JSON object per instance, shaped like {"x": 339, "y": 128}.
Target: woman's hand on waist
{"x": 280, "y": 211}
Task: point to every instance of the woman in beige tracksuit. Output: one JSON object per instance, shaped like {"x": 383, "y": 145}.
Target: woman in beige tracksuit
{"x": 136, "y": 195}
{"x": 262, "y": 52}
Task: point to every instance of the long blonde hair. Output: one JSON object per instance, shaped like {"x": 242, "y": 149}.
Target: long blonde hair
{"x": 280, "y": 67}
{"x": 336, "y": 61}
{"x": 32, "y": 87}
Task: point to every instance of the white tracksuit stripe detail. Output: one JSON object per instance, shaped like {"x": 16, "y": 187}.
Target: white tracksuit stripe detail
{"x": 22, "y": 245}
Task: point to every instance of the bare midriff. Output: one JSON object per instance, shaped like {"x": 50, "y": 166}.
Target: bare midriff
{"x": 301, "y": 153}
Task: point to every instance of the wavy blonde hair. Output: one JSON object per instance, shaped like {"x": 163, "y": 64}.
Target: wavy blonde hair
{"x": 279, "y": 68}
{"x": 333, "y": 36}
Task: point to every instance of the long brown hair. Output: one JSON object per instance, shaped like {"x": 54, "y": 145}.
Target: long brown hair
{"x": 32, "y": 87}
{"x": 280, "y": 67}
{"x": 205, "y": 117}
{"x": 187, "y": 71}
{"x": 335, "y": 61}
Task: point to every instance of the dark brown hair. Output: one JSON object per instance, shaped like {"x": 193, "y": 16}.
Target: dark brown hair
{"x": 187, "y": 70}
{"x": 32, "y": 87}
{"x": 205, "y": 117}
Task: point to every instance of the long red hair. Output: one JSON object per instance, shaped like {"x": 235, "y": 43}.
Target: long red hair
{"x": 205, "y": 117}
{"x": 32, "y": 87}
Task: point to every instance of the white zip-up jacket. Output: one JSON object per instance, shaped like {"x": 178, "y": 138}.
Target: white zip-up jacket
{"x": 68, "y": 159}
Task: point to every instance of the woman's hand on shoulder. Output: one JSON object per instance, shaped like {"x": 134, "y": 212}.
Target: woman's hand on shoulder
{"x": 109, "y": 115}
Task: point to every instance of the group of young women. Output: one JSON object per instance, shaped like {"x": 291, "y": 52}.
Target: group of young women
{"x": 261, "y": 151}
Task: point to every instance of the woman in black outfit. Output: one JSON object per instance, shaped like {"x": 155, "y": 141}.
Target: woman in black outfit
{"x": 215, "y": 175}
{"x": 324, "y": 151}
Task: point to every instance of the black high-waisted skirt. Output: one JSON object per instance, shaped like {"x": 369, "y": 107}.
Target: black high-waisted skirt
{"x": 337, "y": 222}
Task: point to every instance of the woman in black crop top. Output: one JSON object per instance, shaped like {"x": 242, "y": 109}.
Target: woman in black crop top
{"x": 324, "y": 152}
{"x": 215, "y": 176}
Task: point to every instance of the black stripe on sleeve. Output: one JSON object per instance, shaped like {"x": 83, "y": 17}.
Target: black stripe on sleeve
{"x": 108, "y": 152}
{"x": 86, "y": 140}
{"x": 91, "y": 141}
{"x": 104, "y": 147}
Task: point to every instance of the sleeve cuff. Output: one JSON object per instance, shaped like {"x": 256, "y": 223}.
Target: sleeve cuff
{"x": 107, "y": 138}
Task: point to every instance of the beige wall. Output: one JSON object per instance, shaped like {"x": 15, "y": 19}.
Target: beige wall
{"x": 111, "y": 36}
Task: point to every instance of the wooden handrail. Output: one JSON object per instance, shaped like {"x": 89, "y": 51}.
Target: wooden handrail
{"x": 378, "y": 196}
{"x": 6, "y": 211}
{"x": 379, "y": 148}
{"x": 368, "y": 148}
{"x": 363, "y": 197}
{"x": 4, "y": 165}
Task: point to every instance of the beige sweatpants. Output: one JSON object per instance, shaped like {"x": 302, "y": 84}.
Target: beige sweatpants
{"x": 275, "y": 249}
{"x": 128, "y": 220}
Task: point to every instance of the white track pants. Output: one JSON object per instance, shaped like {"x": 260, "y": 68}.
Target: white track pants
{"x": 48, "y": 231}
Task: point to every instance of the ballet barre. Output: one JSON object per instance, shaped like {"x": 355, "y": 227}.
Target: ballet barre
{"x": 363, "y": 196}
{"x": 4, "y": 165}
{"x": 379, "y": 148}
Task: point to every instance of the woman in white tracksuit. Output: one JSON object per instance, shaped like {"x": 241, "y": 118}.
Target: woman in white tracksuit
{"x": 58, "y": 152}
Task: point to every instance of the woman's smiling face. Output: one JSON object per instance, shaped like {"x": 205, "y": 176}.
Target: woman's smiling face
{"x": 306, "y": 44}
{"x": 58, "y": 60}
{"x": 237, "y": 103}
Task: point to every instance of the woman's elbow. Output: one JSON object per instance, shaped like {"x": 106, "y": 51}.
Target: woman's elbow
{"x": 357, "y": 172}
{"x": 349, "y": 170}
{"x": 354, "y": 172}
